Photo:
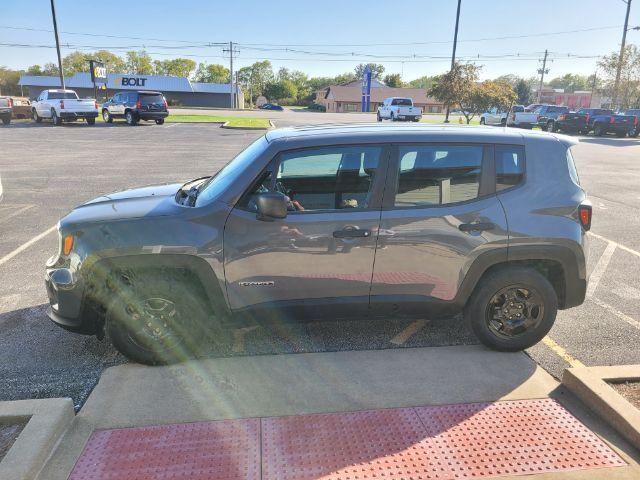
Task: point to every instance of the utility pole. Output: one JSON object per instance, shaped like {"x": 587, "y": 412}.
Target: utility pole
{"x": 593, "y": 87}
{"x": 453, "y": 54}
{"x": 614, "y": 100}
{"x": 55, "y": 31}
{"x": 542, "y": 71}
{"x": 231, "y": 51}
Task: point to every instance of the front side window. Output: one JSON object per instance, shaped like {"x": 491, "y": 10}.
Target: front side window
{"x": 509, "y": 166}
{"x": 438, "y": 174}
{"x": 327, "y": 178}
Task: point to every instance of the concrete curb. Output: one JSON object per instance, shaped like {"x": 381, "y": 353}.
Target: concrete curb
{"x": 590, "y": 385}
{"x": 226, "y": 125}
{"x": 49, "y": 419}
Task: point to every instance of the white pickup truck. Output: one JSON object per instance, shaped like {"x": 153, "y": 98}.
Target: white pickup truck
{"x": 519, "y": 117}
{"x": 63, "y": 105}
{"x": 399, "y": 109}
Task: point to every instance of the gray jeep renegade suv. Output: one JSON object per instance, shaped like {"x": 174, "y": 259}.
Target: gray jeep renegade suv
{"x": 333, "y": 221}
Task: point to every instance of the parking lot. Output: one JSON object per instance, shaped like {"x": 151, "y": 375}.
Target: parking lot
{"x": 46, "y": 171}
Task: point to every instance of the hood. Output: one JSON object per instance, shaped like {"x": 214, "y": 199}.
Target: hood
{"x": 151, "y": 201}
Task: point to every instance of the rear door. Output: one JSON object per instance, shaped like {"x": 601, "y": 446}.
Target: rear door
{"x": 322, "y": 253}
{"x": 440, "y": 214}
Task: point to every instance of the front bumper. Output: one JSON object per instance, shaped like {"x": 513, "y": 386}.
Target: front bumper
{"x": 65, "y": 299}
{"x": 74, "y": 115}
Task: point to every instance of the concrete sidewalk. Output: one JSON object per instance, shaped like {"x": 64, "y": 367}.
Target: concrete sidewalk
{"x": 297, "y": 384}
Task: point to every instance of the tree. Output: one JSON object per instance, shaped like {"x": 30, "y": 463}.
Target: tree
{"x": 571, "y": 82}
{"x": 175, "y": 67}
{"x": 523, "y": 92}
{"x": 34, "y": 70}
{"x": 629, "y": 88}
{"x": 50, "y": 69}
{"x": 393, "y": 80}
{"x": 483, "y": 96}
{"x": 425, "y": 82}
{"x": 280, "y": 89}
{"x": 75, "y": 62}
{"x": 212, "y": 73}
{"x": 509, "y": 78}
{"x": 255, "y": 77}
{"x": 9, "y": 81}
{"x": 376, "y": 70}
{"x": 139, "y": 63}
{"x": 455, "y": 86}
{"x": 112, "y": 62}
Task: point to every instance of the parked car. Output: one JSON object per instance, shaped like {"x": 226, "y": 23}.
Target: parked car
{"x": 271, "y": 106}
{"x": 602, "y": 121}
{"x": 134, "y": 106}
{"x": 636, "y": 121}
{"x": 494, "y": 117}
{"x": 292, "y": 224}
{"x": 6, "y": 110}
{"x": 63, "y": 105}
{"x": 21, "y": 107}
{"x": 520, "y": 118}
{"x": 548, "y": 114}
{"x": 398, "y": 109}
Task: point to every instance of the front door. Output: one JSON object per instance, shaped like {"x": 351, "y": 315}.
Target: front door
{"x": 322, "y": 253}
{"x": 440, "y": 214}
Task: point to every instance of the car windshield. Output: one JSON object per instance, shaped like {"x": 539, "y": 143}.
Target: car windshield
{"x": 230, "y": 173}
{"x": 151, "y": 99}
{"x": 62, "y": 96}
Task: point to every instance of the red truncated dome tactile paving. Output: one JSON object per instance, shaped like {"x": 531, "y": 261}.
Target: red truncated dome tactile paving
{"x": 449, "y": 442}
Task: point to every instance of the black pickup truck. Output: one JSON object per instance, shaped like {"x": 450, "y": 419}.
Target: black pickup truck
{"x": 635, "y": 113}
{"x": 548, "y": 114}
{"x": 599, "y": 120}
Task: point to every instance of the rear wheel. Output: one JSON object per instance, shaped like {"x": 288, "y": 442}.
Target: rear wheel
{"x": 634, "y": 133}
{"x": 6, "y": 120}
{"x": 159, "y": 318}
{"x": 131, "y": 118}
{"x": 392, "y": 118}
{"x": 106, "y": 116}
{"x": 378, "y": 117}
{"x": 159, "y": 121}
{"x": 55, "y": 119}
{"x": 512, "y": 309}
{"x": 598, "y": 130}
{"x": 482, "y": 121}
{"x": 91, "y": 121}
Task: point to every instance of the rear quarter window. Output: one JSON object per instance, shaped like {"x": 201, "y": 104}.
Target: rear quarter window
{"x": 573, "y": 171}
{"x": 509, "y": 166}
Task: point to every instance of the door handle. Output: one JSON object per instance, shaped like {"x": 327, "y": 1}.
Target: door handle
{"x": 476, "y": 227}
{"x": 351, "y": 232}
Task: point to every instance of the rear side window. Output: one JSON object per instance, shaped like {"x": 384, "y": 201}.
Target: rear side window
{"x": 509, "y": 166}
{"x": 438, "y": 174}
{"x": 573, "y": 171}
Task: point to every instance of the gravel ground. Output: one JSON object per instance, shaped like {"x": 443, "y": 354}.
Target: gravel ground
{"x": 8, "y": 434}
{"x": 630, "y": 391}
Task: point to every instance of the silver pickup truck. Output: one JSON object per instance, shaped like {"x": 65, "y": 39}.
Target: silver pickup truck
{"x": 399, "y": 109}
{"x": 519, "y": 117}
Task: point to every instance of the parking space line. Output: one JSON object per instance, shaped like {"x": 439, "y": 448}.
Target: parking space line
{"x": 618, "y": 245}
{"x": 561, "y": 352}
{"x": 408, "y": 332}
{"x": 600, "y": 268}
{"x": 617, "y": 313}
{"x": 26, "y": 245}
{"x": 16, "y": 212}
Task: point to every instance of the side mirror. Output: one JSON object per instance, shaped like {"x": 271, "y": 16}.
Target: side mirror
{"x": 271, "y": 205}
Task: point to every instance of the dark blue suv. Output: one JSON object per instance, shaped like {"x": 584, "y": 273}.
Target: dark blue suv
{"x": 135, "y": 106}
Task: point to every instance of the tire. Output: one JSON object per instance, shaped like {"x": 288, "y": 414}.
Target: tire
{"x": 91, "y": 121}
{"x": 160, "y": 121}
{"x": 6, "y": 120}
{"x": 55, "y": 119}
{"x": 551, "y": 126}
{"x": 598, "y": 130}
{"x": 106, "y": 116}
{"x": 392, "y": 118}
{"x": 482, "y": 121}
{"x": 634, "y": 133}
{"x": 37, "y": 118}
{"x": 159, "y": 318}
{"x": 378, "y": 117}
{"x": 131, "y": 118}
{"x": 503, "y": 123}
{"x": 415, "y": 119}
{"x": 510, "y": 337}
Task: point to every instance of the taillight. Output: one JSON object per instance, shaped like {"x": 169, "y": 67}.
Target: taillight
{"x": 635, "y": 120}
{"x": 562, "y": 117}
{"x": 584, "y": 214}
{"x": 139, "y": 104}
{"x": 10, "y": 102}
{"x": 398, "y": 110}
{"x": 166, "y": 105}
{"x": 95, "y": 104}
{"x": 586, "y": 119}
{"x": 61, "y": 104}
{"x": 612, "y": 120}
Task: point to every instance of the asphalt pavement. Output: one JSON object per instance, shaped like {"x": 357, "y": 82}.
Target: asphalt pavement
{"x": 45, "y": 171}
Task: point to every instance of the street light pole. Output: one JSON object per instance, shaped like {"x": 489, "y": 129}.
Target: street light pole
{"x": 453, "y": 54}
{"x": 55, "y": 31}
{"x": 614, "y": 99}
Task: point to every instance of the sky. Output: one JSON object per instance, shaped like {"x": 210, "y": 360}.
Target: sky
{"x": 410, "y": 37}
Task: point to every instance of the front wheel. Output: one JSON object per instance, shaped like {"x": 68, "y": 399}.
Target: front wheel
{"x": 512, "y": 309}
{"x": 106, "y": 116}
{"x": 378, "y": 117}
{"x": 482, "y": 121}
{"x": 159, "y": 318}
{"x": 160, "y": 121}
{"x": 36, "y": 118}
{"x": 551, "y": 126}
